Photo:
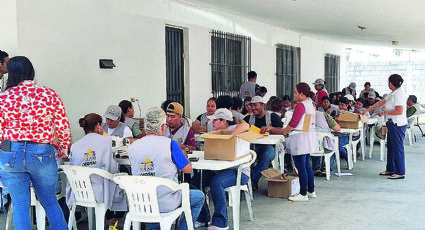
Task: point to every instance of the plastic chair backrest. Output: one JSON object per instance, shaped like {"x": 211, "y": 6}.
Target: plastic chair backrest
{"x": 321, "y": 136}
{"x": 79, "y": 180}
{"x": 142, "y": 196}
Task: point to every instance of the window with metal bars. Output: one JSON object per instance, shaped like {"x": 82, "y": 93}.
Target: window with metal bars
{"x": 287, "y": 69}
{"x": 230, "y": 62}
{"x": 332, "y": 69}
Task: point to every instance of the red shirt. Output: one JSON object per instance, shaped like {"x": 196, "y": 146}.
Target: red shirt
{"x": 30, "y": 112}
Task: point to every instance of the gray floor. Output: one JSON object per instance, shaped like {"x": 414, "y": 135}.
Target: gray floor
{"x": 362, "y": 201}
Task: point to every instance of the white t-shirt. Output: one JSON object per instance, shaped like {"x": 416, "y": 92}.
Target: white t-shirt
{"x": 396, "y": 98}
{"x": 127, "y": 132}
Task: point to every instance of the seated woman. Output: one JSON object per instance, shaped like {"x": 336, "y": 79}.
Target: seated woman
{"x": 95, "y": 150}
{"x": 219, "y": 180}
{"x": 202, "y": 124}
{"x": 127, "y": 119}
{"x": 247, "y": 109}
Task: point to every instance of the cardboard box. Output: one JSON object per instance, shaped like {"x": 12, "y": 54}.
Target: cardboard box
{"x": 221, "y": 145}
{"x": 281, "y": 185}
{"x": 351, "y": 120}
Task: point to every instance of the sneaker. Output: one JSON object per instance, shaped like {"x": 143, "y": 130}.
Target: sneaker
{"x": 200, "y": 224}
{"x": 311, "y": 194}
{"x": 298, "y": 197}
{"x": 213, "y": 227}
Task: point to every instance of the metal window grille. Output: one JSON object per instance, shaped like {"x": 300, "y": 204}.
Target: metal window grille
{"x": 332, "y": 69}
{"x": 230, "y": 62}
{"x": 287, "y": 69}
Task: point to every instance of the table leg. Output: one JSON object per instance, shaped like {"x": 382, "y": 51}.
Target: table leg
{"x": 371, "y": 140}
{"x": 350, "y": 152}
{"x": 362, "y": 141}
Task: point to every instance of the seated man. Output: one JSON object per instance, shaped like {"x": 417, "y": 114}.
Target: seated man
{"x": 265, "y": 153}
{"x": 412, "y": 107}
{"x": 327, "y": 107}
{"x": 178, "y": 130}
{"x": 156, "y": 155}
{"x": 113, "y": 126}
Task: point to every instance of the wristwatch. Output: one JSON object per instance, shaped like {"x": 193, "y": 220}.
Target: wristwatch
{"x": 187, "y": 148}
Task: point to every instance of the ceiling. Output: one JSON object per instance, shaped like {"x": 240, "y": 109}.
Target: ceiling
{"x": 386, "y": 20}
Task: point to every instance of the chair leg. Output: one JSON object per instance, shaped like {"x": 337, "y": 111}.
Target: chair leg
{"x": 382, "y": 149}
{"x": 91, "y": 218}
{"x": 328, "y": 166}
{"x": 338, "y": 161}
{"x": 354, "y": 152}
{"x": 9, "y": 218}
{"x": 236, "y": 210}
{"x": 249, "y": 205}
{"x": 100, "y": 216}
{"x": 136, "y": 225}
{"x": 40, "y": 215}
{"x": 127, "y": 222}
{"x": 250, "y": 190}
{"x": 72, "y": 224}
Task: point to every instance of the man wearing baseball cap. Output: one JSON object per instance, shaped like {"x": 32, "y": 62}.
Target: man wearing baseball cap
{"x": 351, "y": 89}
{"x": 113, "y": 126}
{"x": 177, "y": 129}
{"x": 260, "y": 118}
{"x": 412, "y": 107}
{"x": 319, "y": 85}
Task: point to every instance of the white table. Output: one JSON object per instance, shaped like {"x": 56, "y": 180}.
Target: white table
{"x": 217, "y": 165}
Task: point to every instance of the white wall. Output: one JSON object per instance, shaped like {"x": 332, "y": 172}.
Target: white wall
{"x": 64, "y": 39}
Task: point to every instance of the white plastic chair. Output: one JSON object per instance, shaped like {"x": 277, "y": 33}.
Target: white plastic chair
{"x": 411, "y": 122}
{"x": 143, "y": 201}
{"x": 322, "y": 153}
{"x": 247, "y": 188}
{"x": 354, "y": 145}
{"x": 382, "y": 145}
{"x": 39, "y": 212}
{"x": 79, "y": 180}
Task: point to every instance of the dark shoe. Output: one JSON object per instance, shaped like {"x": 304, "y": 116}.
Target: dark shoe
{"x": 396, "y": 176}
{"x": 385, "y": 173}
{"x": 322, "y": 174}
{"x": 317, "y": 172}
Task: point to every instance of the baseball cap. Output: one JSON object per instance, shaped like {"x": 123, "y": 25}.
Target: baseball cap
{"x": 175, "y": 107}
{"x": 222, "y": 114}
{"x": 352, "y": 85}
{"x": 113, "y": 112}
{"x": 413, "y": 98}
{"x": 371, "y": 95}
{"x": 257, "y": 99}
{"x": 349, "y": 97}
{"x": 319, "y": 81}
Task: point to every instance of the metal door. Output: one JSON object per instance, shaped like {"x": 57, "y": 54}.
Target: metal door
{"x": 174, "y": 64}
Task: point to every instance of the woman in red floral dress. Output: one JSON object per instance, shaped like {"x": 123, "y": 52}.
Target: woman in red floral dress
{"x": 33, "y": 124}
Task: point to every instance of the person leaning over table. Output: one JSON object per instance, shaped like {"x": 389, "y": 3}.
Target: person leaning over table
{"x": 34, "y": 122}
{"x": 265, "y": 153}
{"x": 300, "y": 144}
{"x": 220, "y": 180}
{"x": 94, "y": 150}
{"x": 394, "y": 105}
{"x": 160, "y": 156}
{"x": 128, "y": 112}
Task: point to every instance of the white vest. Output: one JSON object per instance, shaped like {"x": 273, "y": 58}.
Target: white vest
{"x": 95, "y": 151}
{"x": 268, "y": 119}
{"x": 300, "y": 143}
{"x": 181, "y": 134}
{"x": 151, "y": 156}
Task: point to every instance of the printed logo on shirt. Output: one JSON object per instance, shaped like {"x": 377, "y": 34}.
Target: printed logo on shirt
{"x": 147, "y": 168}
{"x": 89, "y": 158}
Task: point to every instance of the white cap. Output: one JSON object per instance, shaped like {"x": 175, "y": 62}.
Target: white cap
{"x": 349, "y": 97}
{"x": 257, "y": 99}
{"x": 222, "y": 114}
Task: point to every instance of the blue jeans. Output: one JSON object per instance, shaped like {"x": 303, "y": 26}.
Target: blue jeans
{"x": 305, "y": 173}
{"x": 197, "y": 199}
{"x": 31, "y": 163}
{"x": 342, "y": 152}
{"x": 218, "y": 181}
{"x": 395, "y": 148}
{"x": 265, "y": 155}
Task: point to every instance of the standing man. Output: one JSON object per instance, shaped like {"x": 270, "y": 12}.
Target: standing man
{"x": 4, "y": 58}
{"x": 351, "y": 89}
{"x": 159, "y": 156}
{"x": 250, "y": 88}
{"x": 265, "y": 153}
{"x": 113, "y": 126}
{"x": 178, "y": 130}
